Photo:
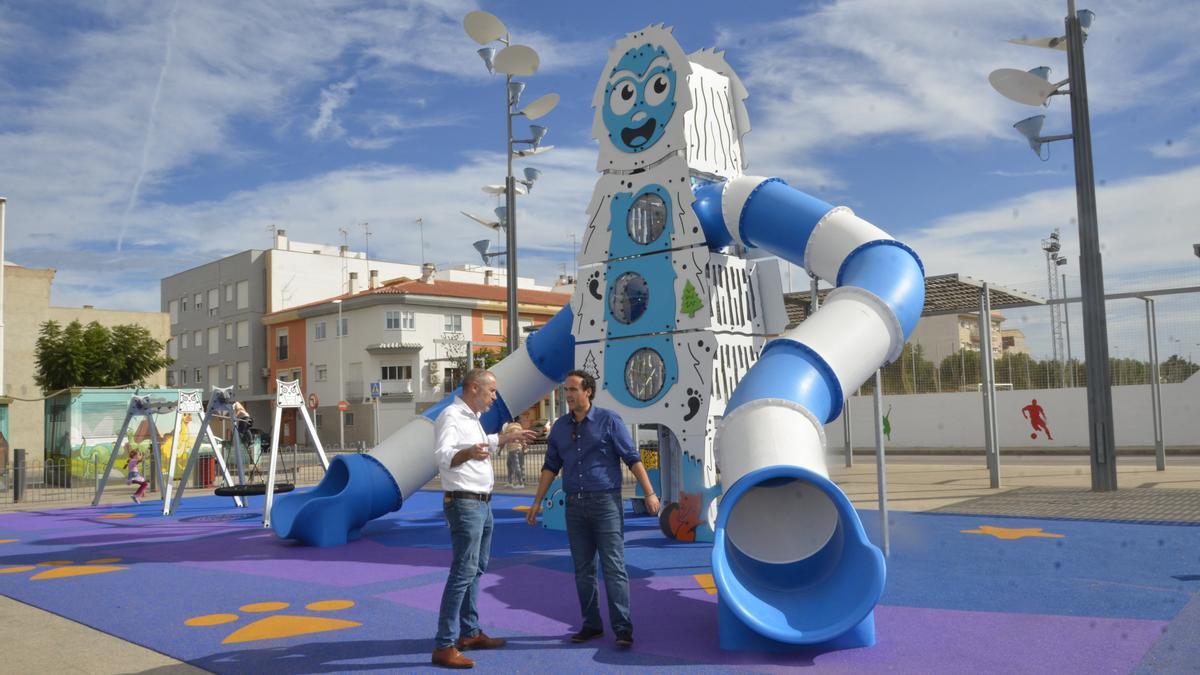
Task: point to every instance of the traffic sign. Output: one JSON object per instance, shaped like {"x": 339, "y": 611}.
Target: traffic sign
{"x": 343, "y": 405}
{"x": 374, "y": 390}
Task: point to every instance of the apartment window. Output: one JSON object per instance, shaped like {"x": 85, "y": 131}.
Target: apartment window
{"x": 295, "y": 374}
{"x": 322, "y": 373}
{"x": 391, "y": 320}
{"x": 318, "y": 419}
{"x": 170, "y": 378}
{"x": 228, "y": 292}
{"x": 243, "y": 333}
{"x": 228, "y": 331}
{"x": 214, "y": 340}
{"x": 408, "y": 320}
{"x": 199, "y": 300}
{"x": 349, "y": 418}
{"x": 281, "y": 344}
{"x": 344, "y": 329}
{"x": 491, "y": 324}
{"x": 284, "y": 376}
{"x": 173, "y": 308}
{"x": 173, "y": 349}
{"x": 396, "y": 373}
{"x": 214, "y": 298}
{"x": 199, "y": 376}
{"x": 243, "y": 374}
{"x": 319, "y": 330}
{"x": 243, "y": 294}
{"x": 183, "y": 376}
{"x": 229, "y": 373}
{"x": 453, "y": 323}
{"x": 183, "y": 304}
{"x": 451, "y": 378}
{"x": 198, "y": 338}
{"x": 184, "y": 340}
{"x": 214, "y": 374}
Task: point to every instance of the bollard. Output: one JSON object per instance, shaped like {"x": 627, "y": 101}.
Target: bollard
{"x": 18, "y": 474}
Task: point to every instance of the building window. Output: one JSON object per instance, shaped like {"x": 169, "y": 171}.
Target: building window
{"x": 183, "y": 304}
{"x": 396, "y": 373}
{"x": 199, "y": 300}
{"x": 281, "y": 344}
{"x": 183, "y": 376}
{"x": 170, "y": 378}
{"x": 214, "y": 297}
{"x": 322, "y": 373}
{"x": 318, "y": 419}
{"x": 451, "y": 378}
{"x": 491, "y": 324}
{"x": 228, "y": 331}
{"x": 199, "y": 376}
{"x": 392, "y": 320}
{"x": 173, "y": 348}
{"x": 214, "y": 374}
{"x": 408, "y": 320}
{"x": 319, "y": 330}
{"x": 284, "y": 376}
{"x": 453, "y": 323}
{"x": 214, "y": 342}
{"x": 229, "y": 373}
{"x": 344, "y": 329}
{"x": 243, "y": 374}
{"x": 243, "y": 333}
{"x": 184, "y": 340}
{"x": 228, "y": 292}
{"x": 295, "y": 374}
{"x": 243, "y": 294}
{"x": 198, "y": 338}
{"x": 173, "y": 308}
{"x": 349, "y": 418}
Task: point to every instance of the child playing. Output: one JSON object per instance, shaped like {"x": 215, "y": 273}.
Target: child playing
{"x": 133, "y": 476}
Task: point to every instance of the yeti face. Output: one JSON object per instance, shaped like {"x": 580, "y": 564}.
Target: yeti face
{"x": 639, "y": 98}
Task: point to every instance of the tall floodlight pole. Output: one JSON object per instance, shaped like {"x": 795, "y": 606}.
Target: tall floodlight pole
{"x": 512, "y": 60}
{"x": 1034, "y": 88}
{"x": 341, "y": 381}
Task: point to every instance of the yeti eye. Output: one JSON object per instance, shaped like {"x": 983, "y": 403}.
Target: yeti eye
{"x": 621, "y": 99}
{"x": 656, "y": 89}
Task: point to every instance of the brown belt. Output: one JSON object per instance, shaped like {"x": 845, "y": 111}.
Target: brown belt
{"x": 461, "y": 494}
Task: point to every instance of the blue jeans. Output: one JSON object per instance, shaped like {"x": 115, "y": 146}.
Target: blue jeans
{"x": 596, "y": 525}
{"x": 471, "y": 538}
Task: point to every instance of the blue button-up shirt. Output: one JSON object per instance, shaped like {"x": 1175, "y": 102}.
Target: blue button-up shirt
{"x": 589, "y": 452}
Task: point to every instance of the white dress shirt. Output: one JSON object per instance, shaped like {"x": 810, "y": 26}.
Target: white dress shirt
{"x": 458, "y": 427}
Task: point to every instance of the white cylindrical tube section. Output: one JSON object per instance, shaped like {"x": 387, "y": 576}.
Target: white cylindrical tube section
{"x": 519, "y": 382}
{"x": 808, "y": 514}
{"x": 408, "y": 455}
{"x": 767, "y": 432}
{"x": 851, "y": 311}
{"x": 734, "y": 197}
{"x": 834, "y": 238}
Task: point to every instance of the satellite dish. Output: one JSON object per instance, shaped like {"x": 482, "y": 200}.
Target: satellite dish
{"x": 526, "y": 152}
{"x": 484, "y": 27}
{"x": 540, "y": 106}
{"x": 1021, "y": 86}
{"x": 517, "y": 60}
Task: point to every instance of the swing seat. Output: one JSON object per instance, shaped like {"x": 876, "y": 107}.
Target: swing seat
{"x": 251, "y": 489}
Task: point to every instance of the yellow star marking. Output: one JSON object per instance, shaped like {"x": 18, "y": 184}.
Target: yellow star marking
{"x": 1012, "y": 532}
{"x": 7, "y": 541}
{"x": 103, "y": 561}
{"x": 706, "y": 582}
{"x": 56, "y": 563}
{"x": 22, "y": 568}
{"x": 523, "y": 507}
{"x": 329, "y": 605}
{"x": 75, "y": 571}
{"x": 111, "y": 516}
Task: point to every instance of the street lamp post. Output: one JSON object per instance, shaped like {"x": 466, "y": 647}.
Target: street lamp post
{"x": 1034, "y": 88}
{"x": 341, "y": 381}
{"x": 518, "y": 60}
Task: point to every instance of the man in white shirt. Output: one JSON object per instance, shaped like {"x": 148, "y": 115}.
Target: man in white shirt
{"x": 464, "y": 456}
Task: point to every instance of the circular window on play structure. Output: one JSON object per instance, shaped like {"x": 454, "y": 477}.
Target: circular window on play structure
{"x": 644, "y": 374}
{"x": 647, "y": 218}
{"x": 629, "y": 298}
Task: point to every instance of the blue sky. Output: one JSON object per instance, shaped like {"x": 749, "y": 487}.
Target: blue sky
{"x": 138, "y": 139}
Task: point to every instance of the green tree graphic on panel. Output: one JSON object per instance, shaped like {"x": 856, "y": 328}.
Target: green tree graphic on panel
{"x": 690, "y": 302}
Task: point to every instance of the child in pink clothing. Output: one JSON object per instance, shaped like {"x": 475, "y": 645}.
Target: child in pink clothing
{"x": 132, "y": 475}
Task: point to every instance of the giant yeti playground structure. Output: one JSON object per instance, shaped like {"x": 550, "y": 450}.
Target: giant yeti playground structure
{"x": 673, "y": 319}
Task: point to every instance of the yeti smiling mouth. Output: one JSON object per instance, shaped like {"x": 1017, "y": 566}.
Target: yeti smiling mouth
{"x": 636, "y": 138}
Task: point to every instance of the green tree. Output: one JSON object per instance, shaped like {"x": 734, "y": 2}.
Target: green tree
{"x": 690, "y": 303}
{"x": 95, "y": 356}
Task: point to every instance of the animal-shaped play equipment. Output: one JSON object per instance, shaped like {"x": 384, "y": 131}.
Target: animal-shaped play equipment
{"x": 675, "y": 314}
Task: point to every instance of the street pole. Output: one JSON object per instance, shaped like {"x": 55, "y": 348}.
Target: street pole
{"x": 341, "y": 381}
{"x": 1091, "y": 274}
{"x": 1067, "y": 320}
{"x": 510, "y": 202}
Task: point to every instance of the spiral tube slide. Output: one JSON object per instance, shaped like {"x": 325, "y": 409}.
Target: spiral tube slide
{"x": 360, "y": 488}
{"x": 791, "y": 561}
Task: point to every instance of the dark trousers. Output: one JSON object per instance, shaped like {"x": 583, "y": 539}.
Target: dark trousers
{"x": 596, "y": 528}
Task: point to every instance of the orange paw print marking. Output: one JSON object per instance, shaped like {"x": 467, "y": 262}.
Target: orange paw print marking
{"x": 61, "y": 569}
{"x": 1012, "y": 532}
{"x": 278, "y": 625}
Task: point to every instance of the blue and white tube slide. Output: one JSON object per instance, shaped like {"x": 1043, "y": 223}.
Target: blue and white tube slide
{"x": 360, "y": 488}
{"x": 791, "y": 561}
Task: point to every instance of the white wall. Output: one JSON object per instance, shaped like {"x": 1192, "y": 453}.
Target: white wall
{"x": 956, "y": 420}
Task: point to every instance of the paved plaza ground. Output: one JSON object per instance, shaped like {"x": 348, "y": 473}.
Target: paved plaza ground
{"x": 1041, "y": 575}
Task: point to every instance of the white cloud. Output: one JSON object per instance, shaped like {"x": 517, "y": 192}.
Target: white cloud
{"x": 332, "y": 97}
{"x": 1178, "y": 148}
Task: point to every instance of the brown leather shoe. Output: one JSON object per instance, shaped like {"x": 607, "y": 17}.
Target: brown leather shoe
{"x": 449, "y": 657}
{"x": 480, "y": 641}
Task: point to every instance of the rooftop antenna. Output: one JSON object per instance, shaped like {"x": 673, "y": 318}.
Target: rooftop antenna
{"x": 346, "y": 249}
{"x": 272, "y": 228}
{"x": 421, "y": 226}
{"x": 367, "y": 234}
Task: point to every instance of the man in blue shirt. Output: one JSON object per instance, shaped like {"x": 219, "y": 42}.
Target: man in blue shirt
{"x": 588, "y": 444}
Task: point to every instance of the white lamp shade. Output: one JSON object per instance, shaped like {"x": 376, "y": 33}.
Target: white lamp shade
{"x": 514, "y": 92}
{"x": 484, "y": 27}
{"x": 502, "y": 215}
{"x": 532, "y": 174}
{"x": 1031, "y": 129}
{"x": 1041, "y": 71}
{"x": 538, "y": 132}
{"x": 540, "y": 106}
{"x": 488, "y": 54}
{"x": 517, "y": 60}
{"x": 1086, "y": 16}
